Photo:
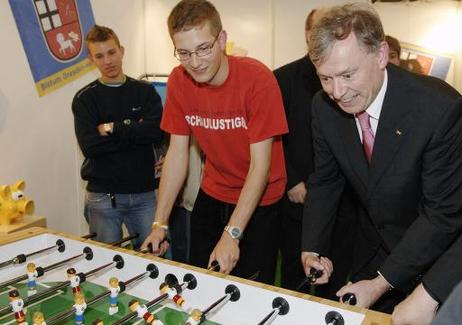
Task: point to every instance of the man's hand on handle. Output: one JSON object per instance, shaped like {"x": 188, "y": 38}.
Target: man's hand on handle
{"x": 157, "y": 238}
{"x": 367, "y": 292}
{"x": 226, "y": 253}
{"x": 311, "y": 260}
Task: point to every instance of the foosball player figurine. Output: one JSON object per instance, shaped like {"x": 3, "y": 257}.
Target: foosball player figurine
{"x": 74, "y": 280}
{"x": 113, "y": 296}
{"x": 97, "y": 322}
{"x": 194, "y": 318}
{"x": 17, "y": 306}
{"x": 31, "y": 279}
{"x": 175, "y": 296}
{"x": 142, "y": 312}
{"x": 79, "y": 306}
{"x": 38, "y": 318}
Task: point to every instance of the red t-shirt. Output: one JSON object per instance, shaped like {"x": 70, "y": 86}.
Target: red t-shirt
{"x": 247, "y": 108}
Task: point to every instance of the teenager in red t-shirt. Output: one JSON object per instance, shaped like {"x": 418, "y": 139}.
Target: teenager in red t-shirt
{"x": 234, "y": 109}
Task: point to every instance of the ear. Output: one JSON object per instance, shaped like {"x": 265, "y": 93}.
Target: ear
{"x": 222, "y": 39}
{"x": 20, "y": 185}
{"x": 122, "y": 49}
{"x": 307, "y": 37}
{"x": 382, "y": 54}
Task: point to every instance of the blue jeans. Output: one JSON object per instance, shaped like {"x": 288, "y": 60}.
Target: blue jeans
{"x": 106, "y": 216}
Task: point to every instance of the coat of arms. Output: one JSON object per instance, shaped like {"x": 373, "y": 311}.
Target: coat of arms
{"x": 60, "y": 24}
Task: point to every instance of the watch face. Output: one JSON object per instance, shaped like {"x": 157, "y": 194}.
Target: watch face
{"x": 235, "y": 232}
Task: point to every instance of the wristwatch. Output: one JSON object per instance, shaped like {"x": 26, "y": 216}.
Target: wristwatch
{"x": 234, "y": 232}
{"x": 107, "y": 128}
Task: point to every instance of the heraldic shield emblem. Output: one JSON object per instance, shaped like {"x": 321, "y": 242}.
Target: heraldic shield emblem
{"x": 61, "y": 28}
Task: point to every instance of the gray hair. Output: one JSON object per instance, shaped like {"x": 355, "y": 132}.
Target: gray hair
{"x": 339, "y": 22}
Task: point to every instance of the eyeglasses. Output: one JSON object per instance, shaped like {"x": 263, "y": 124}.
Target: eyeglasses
{"x": 204, "y": 50}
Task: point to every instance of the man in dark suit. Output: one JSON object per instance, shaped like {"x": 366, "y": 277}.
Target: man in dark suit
{"x": 396, "y": 137}
{"x": 299, "y": 83}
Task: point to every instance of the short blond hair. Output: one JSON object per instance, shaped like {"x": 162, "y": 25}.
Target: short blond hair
{"x": 101, "y": 34}
{"x": 113, "y": 281}
{"x": 188, "y": 14}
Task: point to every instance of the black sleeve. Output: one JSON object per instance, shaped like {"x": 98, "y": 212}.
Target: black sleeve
{"x": 86, "y": 121}
{"x": 293, "y": 178}
{"x": 326, "y": 185}
{"x": 147, "y": 129}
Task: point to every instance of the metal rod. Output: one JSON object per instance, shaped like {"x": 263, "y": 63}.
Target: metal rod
{"x": 6, "y": 263}
{"x": 40, "y": 251}
{"x": 45, "y": 269}
{"x": 107, "y": 292}
{"x": 61, "y": 316}
{"x": 16, "y": 259}
{"x": 13, "y": 281}
{"x": 60, "y": 263}
{"x": 223, "y": 300}
{"x": 123, "y": 240}
{"x": 100, "y": 268}
{"x": 136, "y": 278}
{"x": 270, "y": 317}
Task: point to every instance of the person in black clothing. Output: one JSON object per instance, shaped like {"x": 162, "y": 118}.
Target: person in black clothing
{"x": 299, "y": 83}
{"x": 117, "y": 123}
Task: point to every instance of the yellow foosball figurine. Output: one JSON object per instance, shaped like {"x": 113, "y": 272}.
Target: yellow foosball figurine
{"x": 31, "y": 279}
{"x": 194, "y": 318}
{"x": 142, "y": 312}
{"x": 38, "y": 318}
{"x": 79, "y": 306}
{"x": 113, "y": 296}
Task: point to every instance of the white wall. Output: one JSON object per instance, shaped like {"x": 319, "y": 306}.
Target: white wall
{"x": 289, "y": 27}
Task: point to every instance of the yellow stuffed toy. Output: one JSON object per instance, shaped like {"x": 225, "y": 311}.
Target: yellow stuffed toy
{"x": 13, "y": 203}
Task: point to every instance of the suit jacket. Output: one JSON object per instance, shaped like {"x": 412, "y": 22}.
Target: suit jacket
{"x": 411, "y": 193}
{"x": 299, "y": 83}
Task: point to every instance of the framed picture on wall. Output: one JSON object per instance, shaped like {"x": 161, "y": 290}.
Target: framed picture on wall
{"x": 424, "y": 61}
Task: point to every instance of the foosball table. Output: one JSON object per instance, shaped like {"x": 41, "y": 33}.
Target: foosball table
{"x": 48, "y": 277}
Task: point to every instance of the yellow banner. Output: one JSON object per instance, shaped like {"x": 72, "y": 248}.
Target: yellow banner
{"x": 60, "y": 78}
